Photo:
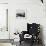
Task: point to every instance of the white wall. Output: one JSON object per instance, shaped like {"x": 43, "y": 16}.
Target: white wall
{"x": 3, "y": 1}
{"x": 35, "y": 12}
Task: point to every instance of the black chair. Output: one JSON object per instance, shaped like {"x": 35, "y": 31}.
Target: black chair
{"x": 32, "y": 29}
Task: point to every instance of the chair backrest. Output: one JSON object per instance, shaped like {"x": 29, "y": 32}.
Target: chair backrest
{"x": 33, "y": 28}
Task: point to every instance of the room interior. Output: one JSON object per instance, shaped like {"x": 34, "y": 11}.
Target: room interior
{"x": 17, "y": 14}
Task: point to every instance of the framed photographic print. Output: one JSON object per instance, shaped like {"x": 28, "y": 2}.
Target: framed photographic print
{"x": 20, "y": 13}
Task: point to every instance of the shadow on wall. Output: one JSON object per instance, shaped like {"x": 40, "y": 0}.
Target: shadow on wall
{"x": 41, "y": 34}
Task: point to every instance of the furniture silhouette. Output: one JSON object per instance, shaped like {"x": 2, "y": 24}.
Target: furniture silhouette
{"x": 33, "y": 30}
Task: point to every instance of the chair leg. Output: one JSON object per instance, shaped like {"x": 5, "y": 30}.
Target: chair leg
{"x": 20, "y": 42}
{"x": 32, "y": 42}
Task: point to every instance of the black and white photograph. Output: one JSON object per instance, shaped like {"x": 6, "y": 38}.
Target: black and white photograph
{"x": 22, "y": 22}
